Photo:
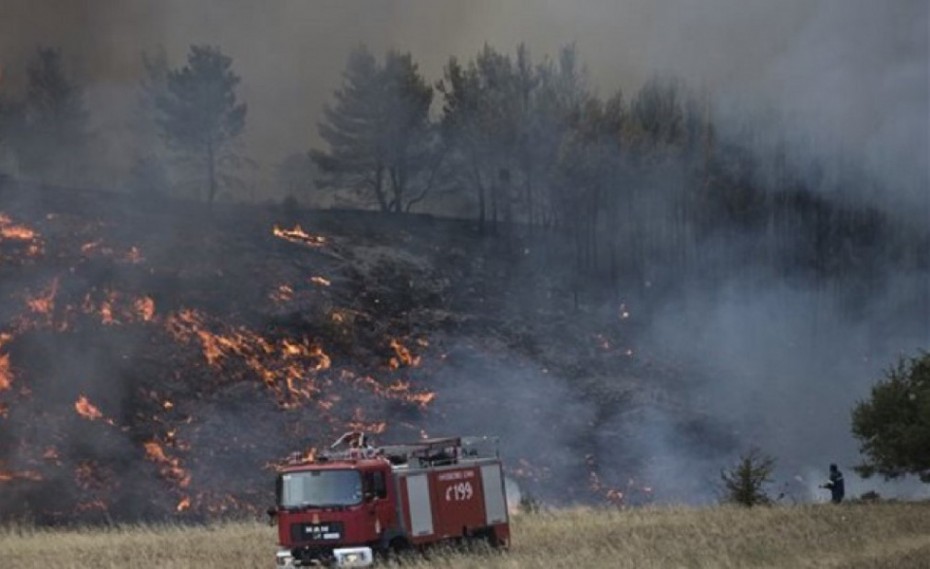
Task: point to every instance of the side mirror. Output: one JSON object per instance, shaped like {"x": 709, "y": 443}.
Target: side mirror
{"x": 272, "y": 514}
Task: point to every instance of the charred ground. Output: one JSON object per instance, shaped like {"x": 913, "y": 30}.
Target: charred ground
{"x": 158, "y": 359}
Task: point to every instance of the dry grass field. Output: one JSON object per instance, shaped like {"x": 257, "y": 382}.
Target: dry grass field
{"x": 895, "y": 535}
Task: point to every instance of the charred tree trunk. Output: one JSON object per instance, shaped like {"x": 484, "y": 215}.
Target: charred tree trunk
{"x": 479, "y": 188}
{"x": 211, "y": 173}
{"x": 379, "y": 188}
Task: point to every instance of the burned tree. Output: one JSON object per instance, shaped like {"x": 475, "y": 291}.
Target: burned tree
{"x": 480, "y": 126}
{"x": 199, "y": 112}
{"x": 48, "y": 129}
{"x": 381, "y": 144}
{"x": 149, "y": 172}
{"x": 505, "y": 121}
{"x": 8, "y": 115}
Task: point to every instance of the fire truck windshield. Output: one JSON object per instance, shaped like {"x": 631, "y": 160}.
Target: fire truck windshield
{"x": 320, "y": 488}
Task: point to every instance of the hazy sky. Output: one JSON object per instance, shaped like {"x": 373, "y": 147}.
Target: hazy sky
{"x": 854, "y": 70}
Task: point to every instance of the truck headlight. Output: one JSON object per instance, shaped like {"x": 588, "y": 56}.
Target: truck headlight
{"x": 283, "y": 558}
{"x": 353, "y": 556}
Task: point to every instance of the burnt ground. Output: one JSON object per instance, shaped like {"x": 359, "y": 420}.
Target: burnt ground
{"x": 158, "y": 358}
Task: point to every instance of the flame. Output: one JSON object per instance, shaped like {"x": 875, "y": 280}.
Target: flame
{"x": 170, "y": 467}
{"x": 115, "y": 308}
{"x": 398, "y": 391}
{"x": 298, "y": 235}
{"x": 286, "y": 366}
{"x": 20, "y": 234}
{"x": 422, "y": 399}
{"x": 132, "y": 255}
{"x": 358, "y": 423}
{"x": 106, "y": 312}
{"x": 145, "y": 307}
{"x": 402, "y": 356}
{"x": 13, "y": 232}
{"x": 320, "y": 281}
{"x": 6, "y": 373}
{"x": 284, "y": 293}
{"x": 44, "y": 302}
{"x": 90, "y": 246}
{"x": 87, "y": 409}
{"x": 10, "y": 475}
{"x": 184, "y": 504}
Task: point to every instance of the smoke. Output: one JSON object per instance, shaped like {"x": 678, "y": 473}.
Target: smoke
{"x": 770, "y": 363}
{"x": 841, "y": 77}
{"x": 538, "y": 417}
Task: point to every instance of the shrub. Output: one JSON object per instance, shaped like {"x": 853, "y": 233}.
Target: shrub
{"x": 745, "y": 483}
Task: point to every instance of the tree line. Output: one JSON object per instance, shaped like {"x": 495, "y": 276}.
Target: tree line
{"x": 638, "y": 186}
{"x": 192, "y": 110}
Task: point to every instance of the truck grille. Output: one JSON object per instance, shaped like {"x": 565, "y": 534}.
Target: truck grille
{"x": 321, "y": 532}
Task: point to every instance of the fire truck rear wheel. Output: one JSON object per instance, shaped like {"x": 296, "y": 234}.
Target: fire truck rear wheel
{"x": 399, "y": 545}
{"x": 489, "y": 536}
{"x": 397, "y": 549}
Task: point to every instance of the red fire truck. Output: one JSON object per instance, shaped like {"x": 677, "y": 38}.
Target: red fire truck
{"x": 342, "y": 508}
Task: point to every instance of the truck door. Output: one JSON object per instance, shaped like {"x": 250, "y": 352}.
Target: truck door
{"x": 380, "y": 508}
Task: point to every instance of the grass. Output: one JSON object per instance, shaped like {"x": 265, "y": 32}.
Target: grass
{"x": 858, "y": 536}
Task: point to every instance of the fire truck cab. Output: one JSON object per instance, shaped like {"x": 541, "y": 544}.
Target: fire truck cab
{"x": 343, "y": 508}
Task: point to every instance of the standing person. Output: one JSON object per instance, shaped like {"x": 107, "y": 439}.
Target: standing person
{"x": 836, "y": 486}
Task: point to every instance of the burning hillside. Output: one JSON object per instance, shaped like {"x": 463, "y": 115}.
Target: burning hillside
{"x": 147, "y": 373}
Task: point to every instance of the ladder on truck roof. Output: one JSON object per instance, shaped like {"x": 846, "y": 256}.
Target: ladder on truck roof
{"x": 441, "y": 451}
{"x": 424, "y": 453}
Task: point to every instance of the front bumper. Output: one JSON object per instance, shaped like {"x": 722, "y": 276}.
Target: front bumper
{"x": 341, "y": 557}
{"x": 353, "y": 557}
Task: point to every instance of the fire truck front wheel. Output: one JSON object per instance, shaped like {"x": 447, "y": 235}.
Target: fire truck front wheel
{"x": 396, "y": 549}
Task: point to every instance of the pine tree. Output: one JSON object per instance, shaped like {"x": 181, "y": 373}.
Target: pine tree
{"x": 200, "y": 113}
{"x": 381, "y": 144}
{"x": 745, "y": 483}
{"x": 48, "y": 130}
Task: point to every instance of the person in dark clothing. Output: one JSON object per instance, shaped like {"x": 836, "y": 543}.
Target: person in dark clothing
{"x": 836, "y": 486}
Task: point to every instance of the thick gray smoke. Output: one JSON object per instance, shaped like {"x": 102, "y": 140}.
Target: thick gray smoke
{"x": 845, "y": 81}
{"x": 841, "y": 76}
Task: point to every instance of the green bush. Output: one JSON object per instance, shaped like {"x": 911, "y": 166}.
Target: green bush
{"x": 893, "y": 425}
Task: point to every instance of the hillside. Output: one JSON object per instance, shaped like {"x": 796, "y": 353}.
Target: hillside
{"x": 157, "y": 360}
{"x": 860, "y": 536}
